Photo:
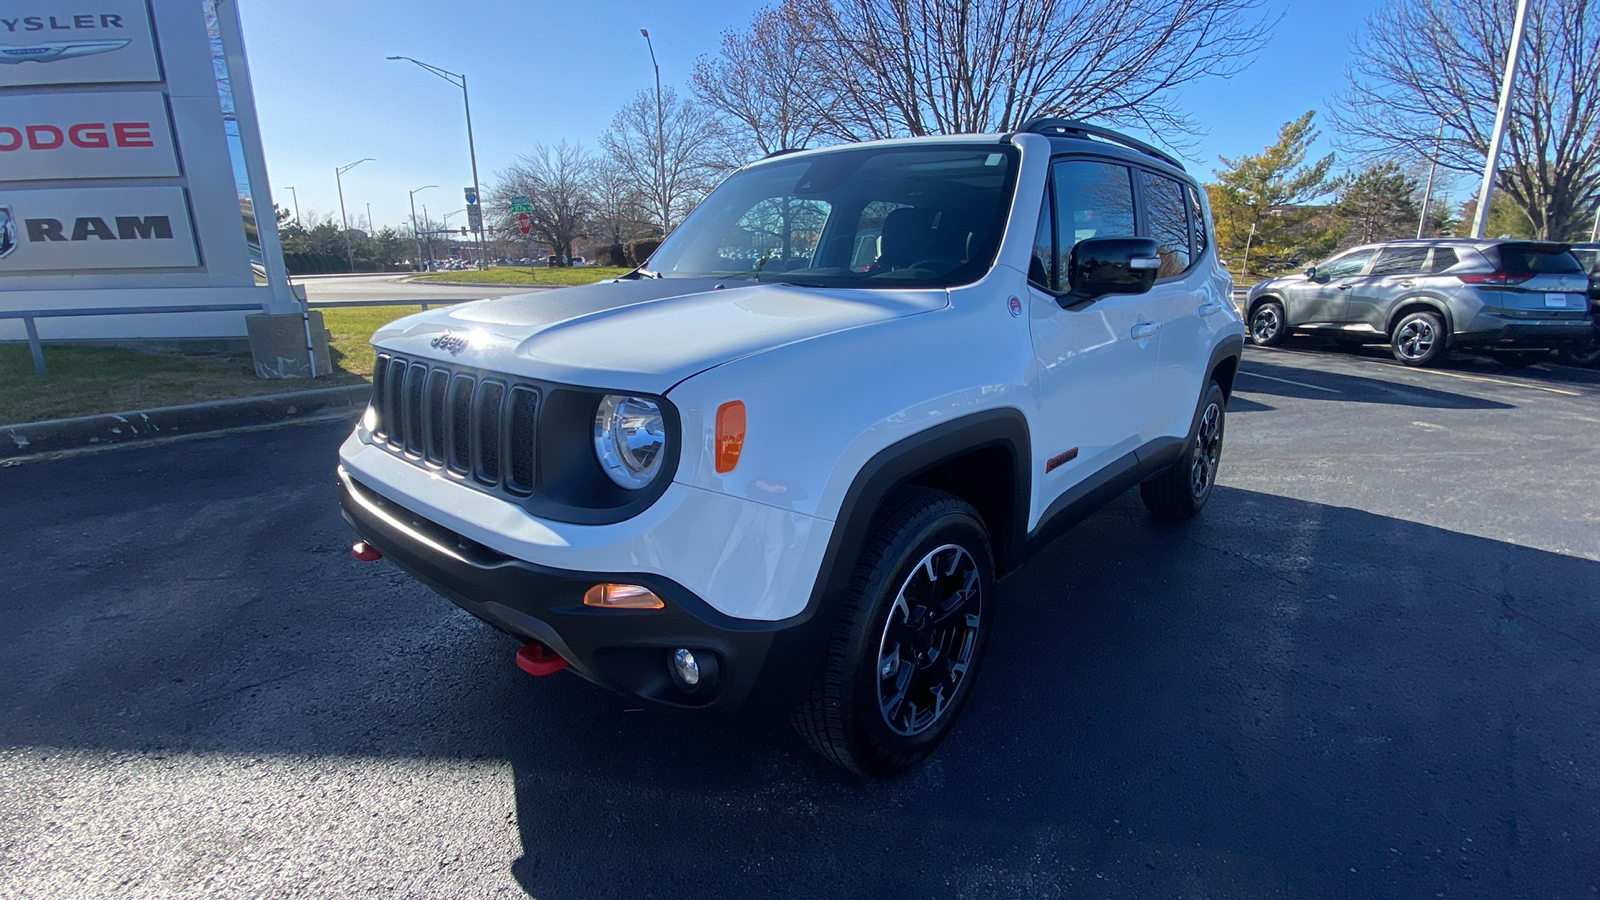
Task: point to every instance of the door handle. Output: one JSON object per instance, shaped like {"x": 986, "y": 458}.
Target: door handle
{"x": 1209, "y": 308}
{"x": 1407, "y": 284}
{"x": 1145, "y": 330}
{"x": 1345, "y": 287}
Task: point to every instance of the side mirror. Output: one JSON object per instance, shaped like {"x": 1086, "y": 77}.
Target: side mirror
{"x": 1101, "y": 266}
{"x": 1311, "y": 273}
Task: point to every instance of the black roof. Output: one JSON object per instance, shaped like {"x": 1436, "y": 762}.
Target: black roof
{"x": 1070, "y": 128}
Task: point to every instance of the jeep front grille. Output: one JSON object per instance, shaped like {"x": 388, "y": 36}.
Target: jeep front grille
{"x": 478, "y": 426}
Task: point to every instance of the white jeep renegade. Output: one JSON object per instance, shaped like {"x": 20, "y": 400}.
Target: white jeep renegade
{"x": 783, "y": 464}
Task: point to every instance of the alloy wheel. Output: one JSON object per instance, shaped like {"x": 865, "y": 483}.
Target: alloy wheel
{"x": 1208, "y": 452}
{"x": 1265, "y": 324}
{"x": 1415, "y": 339}
{"x": 929, "y": 640}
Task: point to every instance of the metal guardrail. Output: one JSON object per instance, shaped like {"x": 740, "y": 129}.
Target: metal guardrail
{"x": 29, "y": 315}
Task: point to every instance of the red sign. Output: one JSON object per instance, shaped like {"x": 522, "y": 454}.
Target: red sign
{"x": 524, "y": 225}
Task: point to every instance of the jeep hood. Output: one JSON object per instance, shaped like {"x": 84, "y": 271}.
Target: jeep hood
{"x": 645, "y": 335}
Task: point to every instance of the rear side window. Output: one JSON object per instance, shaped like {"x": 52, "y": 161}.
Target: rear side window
{"x": 1536, "y": 259}
{"x": 1443, "y": 258}
{"x": 1197, "y": 215}
{"x": 1169, "y": 222}
{"x": 1093, "y": 199}
{"x": 1400, "y": 261}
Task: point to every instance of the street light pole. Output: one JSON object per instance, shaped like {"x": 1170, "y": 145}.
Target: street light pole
{"x": 661, "y": 141}
{"x": 460, "y": 81}
{"x": 296, "y": 194}
{"x": 1504, "y": 112}
{"x": 1427, "y": 192}
{"x": 338, "y": 173}
{"x": 416, "y": 238}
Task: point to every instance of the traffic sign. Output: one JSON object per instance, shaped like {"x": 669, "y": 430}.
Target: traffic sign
{"x": 475, "y": 217}
{"x": 524, "y": 223}
{"x": 520, "y": 204}
{"x": 472, "y": 195}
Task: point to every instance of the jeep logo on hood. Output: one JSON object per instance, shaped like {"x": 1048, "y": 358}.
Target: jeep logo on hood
{"x": 455, "y": 343}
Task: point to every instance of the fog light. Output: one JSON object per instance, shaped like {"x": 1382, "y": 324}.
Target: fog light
{"x": 685, "y": 667}
{"x": 621, "y": 596}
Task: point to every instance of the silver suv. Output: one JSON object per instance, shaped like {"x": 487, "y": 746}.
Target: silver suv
{"x": 1516, "y": 299}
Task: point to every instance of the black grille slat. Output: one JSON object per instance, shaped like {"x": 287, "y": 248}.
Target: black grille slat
{"x": 523, "y": 422}
{"x": 416, "y": 382}
{"x": 438, "y": 391}
{"x": 489, "y": 416}
{"x": 461, "y": 424}
{"x": 394, "y": 386}
{"x": 380, "y": 371}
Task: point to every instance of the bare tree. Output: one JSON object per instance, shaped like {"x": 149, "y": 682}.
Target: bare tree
{"x": 1426, "y": 61}
{"x": 671, "y": 167}
{"x": 619, "y": 208}
{"x": 912, "y": 67}
{"x": 556, "y": 181}
{"x": 765, "y": 82}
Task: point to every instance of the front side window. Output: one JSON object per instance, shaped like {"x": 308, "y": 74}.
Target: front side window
{"x": 1040, "y": 264}
{"x": 1169, "y": 222}
{"x": 1093, "y": 200}
{"x": 1344, "y": 266}
{"x": 1401, "y": 261}
{"x": 881, "y": 217}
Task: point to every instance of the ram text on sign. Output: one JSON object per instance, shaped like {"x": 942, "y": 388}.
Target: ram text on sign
{"x": 95, "y": 228}
{"x": 76, "y": 42}
{"x": 107, "y": 135}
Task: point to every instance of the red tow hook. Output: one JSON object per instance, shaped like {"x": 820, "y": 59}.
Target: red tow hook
{"x": 365, "y": 552}
{"x": 537, "y": 659}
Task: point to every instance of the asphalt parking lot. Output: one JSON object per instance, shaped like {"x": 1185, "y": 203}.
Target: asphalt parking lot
{"x": 1368, "y": 670}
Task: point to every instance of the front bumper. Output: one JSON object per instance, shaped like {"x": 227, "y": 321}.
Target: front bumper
{"x": 760, "y": 664}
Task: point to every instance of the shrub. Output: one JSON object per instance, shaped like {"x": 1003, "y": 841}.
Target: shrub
{"x": 636, "y": 252}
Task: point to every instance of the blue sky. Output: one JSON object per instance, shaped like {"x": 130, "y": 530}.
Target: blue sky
{"x": 542, "y": 70}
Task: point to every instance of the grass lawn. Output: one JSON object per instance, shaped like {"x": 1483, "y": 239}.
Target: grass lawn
{"x": 524, "y": 275}
{"x": 84, "y": 380}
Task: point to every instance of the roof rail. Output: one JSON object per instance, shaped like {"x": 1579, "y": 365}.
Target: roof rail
{"x": 1049, "y": 125}
{"x": 784, "y": 152}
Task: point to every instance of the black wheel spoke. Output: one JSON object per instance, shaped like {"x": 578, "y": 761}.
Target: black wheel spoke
{"x": 929, "y": 639}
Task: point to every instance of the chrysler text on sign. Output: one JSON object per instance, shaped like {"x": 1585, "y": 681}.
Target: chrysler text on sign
{"x": 66, "y": 42}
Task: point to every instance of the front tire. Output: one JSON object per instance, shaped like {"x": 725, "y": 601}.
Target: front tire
{"x": 1419, "y": 339}
{"x": 1267, "y": 324}
{"x": 908, "y": 646}
{"x": 1180, "y": 492}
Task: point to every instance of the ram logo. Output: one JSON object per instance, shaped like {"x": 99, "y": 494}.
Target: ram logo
{"x": 8, "y": 232}
{"x": 455, "y": 343}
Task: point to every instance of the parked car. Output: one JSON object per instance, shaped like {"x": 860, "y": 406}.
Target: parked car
{"x": 1587, "y": 353}
{"x": 710, "y": 487}
{"x": 1516, "y": 299}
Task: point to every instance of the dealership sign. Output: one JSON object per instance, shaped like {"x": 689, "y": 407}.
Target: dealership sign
{"x": 95, "y": 228}
{"x": 104, "y": 135}
{"x": 73, "y": 42}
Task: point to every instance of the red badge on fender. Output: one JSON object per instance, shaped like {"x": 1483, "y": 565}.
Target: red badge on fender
{"x": 1016, "y": 307}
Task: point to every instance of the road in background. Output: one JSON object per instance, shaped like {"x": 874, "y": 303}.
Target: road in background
{"x": 346, "y": 288}
{"x": 1369, "y": 669}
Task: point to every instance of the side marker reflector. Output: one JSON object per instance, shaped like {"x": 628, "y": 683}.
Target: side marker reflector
{"x": 621, "y": 596}
{"x": 730, "y": 435}
{"x": 365, "y": 552}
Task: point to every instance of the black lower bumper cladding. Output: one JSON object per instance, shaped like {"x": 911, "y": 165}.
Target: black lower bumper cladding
{"x": 759, "y": 664}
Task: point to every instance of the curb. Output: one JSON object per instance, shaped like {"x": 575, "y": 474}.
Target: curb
{"x": 32, "y": 438}
{"x": 493, "y": 284}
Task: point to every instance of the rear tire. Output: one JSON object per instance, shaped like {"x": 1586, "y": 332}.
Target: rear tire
{"x": 1182, "y": 490}
{"x": 1267, "y": 324}
{"x": 908, "y": 646}
{"x": 1419, "y": 339}
{"x": 1585, "y": 355}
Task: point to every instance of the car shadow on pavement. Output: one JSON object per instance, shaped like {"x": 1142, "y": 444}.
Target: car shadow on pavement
{"x": 1259, "y": 377}
{"x": 1281, "y": 699}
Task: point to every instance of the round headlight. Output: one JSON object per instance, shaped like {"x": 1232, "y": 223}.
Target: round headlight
{"x": 630, "y": 438}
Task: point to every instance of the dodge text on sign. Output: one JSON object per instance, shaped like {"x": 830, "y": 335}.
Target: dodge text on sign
{"x": 105, "y": 135}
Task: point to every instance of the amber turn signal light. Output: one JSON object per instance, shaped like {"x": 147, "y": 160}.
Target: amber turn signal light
{"x": 621, "y": 596}
{"x": 730, "y": 434}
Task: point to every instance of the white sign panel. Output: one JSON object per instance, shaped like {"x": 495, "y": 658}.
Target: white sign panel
{"x": 106, "y": 135}
{"x": 95, "y": 228}
{"x": 76, "y": 42}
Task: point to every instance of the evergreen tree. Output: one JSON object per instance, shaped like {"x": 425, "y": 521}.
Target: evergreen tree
{"x": 1270, "y": 193}
{"x": 1381, "y": 203}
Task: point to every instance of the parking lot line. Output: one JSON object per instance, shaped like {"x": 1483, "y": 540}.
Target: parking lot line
{"x": 1287, "y": 381}
{"x": 1531, "y": 387}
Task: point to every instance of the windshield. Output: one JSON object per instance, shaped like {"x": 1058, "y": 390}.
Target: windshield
{"x": 874, "y": 217}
